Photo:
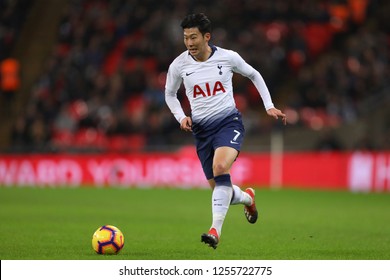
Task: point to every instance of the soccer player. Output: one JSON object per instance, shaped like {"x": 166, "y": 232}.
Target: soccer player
{"x": 206, "y": 72}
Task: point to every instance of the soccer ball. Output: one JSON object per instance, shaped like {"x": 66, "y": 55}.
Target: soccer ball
{"x": 108, "y": 240}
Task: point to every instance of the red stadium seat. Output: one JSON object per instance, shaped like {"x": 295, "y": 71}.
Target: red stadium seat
{"x": 90, "y": 138}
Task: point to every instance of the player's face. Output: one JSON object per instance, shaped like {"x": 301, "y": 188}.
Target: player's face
{"x": 196, "y": 43}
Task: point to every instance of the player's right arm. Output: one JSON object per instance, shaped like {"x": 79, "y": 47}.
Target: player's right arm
{"x": 172, "y": 85}
{"x": 186, "y": 124}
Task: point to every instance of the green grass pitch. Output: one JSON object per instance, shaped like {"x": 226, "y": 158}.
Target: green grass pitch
{"x": 166, "y": 224}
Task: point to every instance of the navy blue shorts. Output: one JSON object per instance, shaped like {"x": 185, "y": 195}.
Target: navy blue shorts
{"x": 229, "y": 132}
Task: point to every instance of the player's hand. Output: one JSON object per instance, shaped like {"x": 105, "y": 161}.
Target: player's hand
{"x": 186, "y": 124}
{"x": 276, "y": 113}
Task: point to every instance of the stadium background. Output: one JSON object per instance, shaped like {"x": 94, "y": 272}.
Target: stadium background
{"x": 86, "y": 138}
{"x": 87, "y": 78}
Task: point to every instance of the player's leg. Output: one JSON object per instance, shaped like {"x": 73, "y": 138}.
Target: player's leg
{"x": 239, "y": 196}
{"x": 222, "y": 192}
{"x": 232, "y": 135}
{"x": 222, "y": 163}
{"x": 205, "y": 153}
{"x": 227, "y": 143}
{"x": 220, "y": 202}
{"x": 224, "y": 158}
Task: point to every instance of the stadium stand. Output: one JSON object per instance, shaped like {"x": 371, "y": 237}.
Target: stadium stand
{"x": 326, "y": 64}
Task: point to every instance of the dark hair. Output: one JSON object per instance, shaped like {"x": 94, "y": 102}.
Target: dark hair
{"x": 200, "y": 21}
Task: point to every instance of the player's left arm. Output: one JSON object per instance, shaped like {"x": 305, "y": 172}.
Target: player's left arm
{"x": 243, "y": 68}
{"x": 276, "y": 113}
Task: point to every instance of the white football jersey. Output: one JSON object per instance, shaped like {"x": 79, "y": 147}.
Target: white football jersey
{"x": 209, "y": 86}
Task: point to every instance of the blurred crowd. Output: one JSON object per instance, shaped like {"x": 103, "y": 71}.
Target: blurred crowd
{"x": 103, "y": 84}
{"x": 12, "y": 16}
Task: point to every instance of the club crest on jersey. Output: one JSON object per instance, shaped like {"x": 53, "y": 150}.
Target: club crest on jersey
{"x": 220, "y": 71}
{"x": 208, "y": 91}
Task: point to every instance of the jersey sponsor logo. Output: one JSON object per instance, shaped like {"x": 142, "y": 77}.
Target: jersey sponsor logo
{"x": 209, "y": 91}
{"x": 187, "y": 74}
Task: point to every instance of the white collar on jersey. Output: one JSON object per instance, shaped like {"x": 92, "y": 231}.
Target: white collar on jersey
{"x": 213, "y": 49}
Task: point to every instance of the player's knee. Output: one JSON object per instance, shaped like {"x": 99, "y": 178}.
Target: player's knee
{"x": 220, "y": 168}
